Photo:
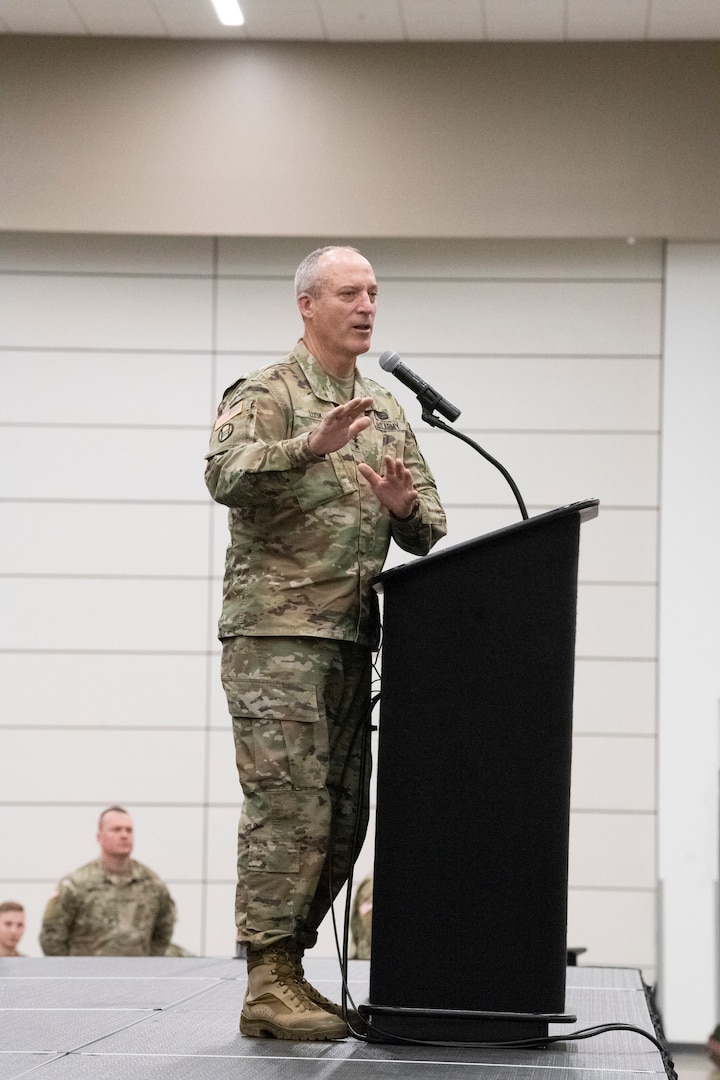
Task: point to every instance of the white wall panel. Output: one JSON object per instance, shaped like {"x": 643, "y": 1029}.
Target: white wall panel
{"x": 612, "y": 850}
{"x": 460, "y": 257}
{"x": 534, "y": 393}
{"x": 169, "y": 839}
{"x": 46, "y": 842}
{"x": 93, "y": 312}
{"x": 615, "y": 697}
{"x": 86, "y": 254}
{"x": 100, "y": 766}
{"x": 103, "y": 614}
{"x": 257, "y": 314}
{"x": 689, "y": 686}
{"x": 616, "y": 621}
{"x": 620, "y": 545}
{"x": 108, "y": 690}
{"x": 596, "y": 318}
{"x": 616, "y": 927}
{"x": 51, "y": 841}
{"x": 220, "y": 934}
{"x": 105, "y": 538}
{"x": 105, "y": 388}
{"x": 103, "y": 463}
{"x": 550, "y": 469}
{"x": 613, "y": 773}
{"x": 222, "y": 823}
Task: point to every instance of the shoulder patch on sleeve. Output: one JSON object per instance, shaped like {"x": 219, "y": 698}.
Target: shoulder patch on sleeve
{"x": 228, "y": 415}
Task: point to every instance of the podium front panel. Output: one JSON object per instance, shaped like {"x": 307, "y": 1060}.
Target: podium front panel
{"x": 474, "y": 753}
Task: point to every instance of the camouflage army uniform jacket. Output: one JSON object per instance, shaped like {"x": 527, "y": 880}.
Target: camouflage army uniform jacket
{"x": 307, "y": 534}
{"x": 96, "y": 913}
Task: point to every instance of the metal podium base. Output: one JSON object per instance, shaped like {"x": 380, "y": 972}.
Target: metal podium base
{"x": 388, "y": 1023}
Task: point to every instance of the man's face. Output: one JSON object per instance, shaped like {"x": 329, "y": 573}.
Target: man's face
{"x": 115, "y": 835}
{"x": 12, "y": 928}
{"x": 341, "y": 318}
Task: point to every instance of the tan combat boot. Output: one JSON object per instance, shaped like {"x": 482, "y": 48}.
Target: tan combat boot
{"x": 356, "y": 1022}
{"x": 296, "y": 951}
{"x": 275, "y": 1006}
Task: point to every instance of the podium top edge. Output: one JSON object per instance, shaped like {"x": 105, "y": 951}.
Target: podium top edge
{"x": 585, "y": 511}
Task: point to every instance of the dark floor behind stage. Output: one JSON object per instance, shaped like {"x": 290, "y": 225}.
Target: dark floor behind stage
{"x": 162, "y": 1018}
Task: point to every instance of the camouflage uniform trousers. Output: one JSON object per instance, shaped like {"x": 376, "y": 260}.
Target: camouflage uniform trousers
{"x": 299, "y": 706}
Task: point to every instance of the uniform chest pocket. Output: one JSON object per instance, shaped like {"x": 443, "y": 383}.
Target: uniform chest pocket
{"x": 323, "y": 482}
{"x": 392, "y": 435}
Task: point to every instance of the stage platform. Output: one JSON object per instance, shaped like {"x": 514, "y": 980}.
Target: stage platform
{"x": 127, "y": 1018}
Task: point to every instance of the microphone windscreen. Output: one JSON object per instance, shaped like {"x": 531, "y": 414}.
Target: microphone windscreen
{"x": 389, "y": 361}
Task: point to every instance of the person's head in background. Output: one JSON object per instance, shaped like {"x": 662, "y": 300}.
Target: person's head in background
{"x": 115, "y": 837}
{"x": 12, "y": 927}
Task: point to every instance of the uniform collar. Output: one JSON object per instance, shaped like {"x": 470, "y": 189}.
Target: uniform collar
{"x": 322, "y": 384}
{"x": 111, "y": 875}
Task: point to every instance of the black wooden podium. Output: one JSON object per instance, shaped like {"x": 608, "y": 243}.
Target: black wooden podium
{"x": 469, "y": 940}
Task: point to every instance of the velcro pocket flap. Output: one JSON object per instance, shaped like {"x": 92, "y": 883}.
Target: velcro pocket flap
{"x": 270, "y": 699}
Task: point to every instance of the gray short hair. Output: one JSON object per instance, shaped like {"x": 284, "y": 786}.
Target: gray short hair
{"x": 307, "y": 277}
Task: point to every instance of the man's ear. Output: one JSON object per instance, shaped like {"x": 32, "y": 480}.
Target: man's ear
{"x": 305, "y": 304}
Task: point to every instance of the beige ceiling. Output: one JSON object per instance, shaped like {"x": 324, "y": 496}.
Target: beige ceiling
{"x": 373, "y": 20}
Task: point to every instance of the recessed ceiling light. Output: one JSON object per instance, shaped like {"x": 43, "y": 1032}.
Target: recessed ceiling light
{"x": 228, "y": 12}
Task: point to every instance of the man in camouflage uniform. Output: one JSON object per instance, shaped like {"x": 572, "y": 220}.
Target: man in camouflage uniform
{"x": 12, "y": 927}
{"x": 113, "y": 906}
{"x": 320, "y": 470}
{"x": 361, "y": 920}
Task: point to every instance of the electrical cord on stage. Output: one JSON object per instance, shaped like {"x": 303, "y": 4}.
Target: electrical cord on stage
{"x": 538, "y": 1043}
{"x": 363, "y": 728}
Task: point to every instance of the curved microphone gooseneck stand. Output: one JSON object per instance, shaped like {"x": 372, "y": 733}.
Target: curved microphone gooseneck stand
{"x": 434, "y": 421}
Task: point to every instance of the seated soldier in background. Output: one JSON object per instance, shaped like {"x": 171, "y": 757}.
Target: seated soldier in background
{"x": 712, "y": 1047}
{"x": 113, "y": 906}
{"x": 12, "y": 927}
{"x": 361, "y": 920}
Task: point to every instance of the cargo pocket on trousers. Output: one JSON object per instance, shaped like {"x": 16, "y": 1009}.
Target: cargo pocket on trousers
{"x": 280, "y": 733}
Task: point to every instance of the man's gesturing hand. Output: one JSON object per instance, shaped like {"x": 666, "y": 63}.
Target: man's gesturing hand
{"x": 339, "y": 426}
{"x": 394, "y": 489}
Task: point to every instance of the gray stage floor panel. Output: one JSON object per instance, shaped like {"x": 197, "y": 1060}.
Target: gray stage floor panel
{"x": 161, "y": 1018}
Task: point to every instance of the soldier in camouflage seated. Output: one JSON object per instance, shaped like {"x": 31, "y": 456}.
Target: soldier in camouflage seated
{"x": 320, "y": 470}
{"x": 113, "y": 906}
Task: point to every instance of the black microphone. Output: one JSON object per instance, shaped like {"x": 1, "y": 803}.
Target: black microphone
{"x": 428, "y": 398}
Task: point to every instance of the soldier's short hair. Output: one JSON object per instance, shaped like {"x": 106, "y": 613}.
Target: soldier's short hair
{"x": 10, "y": 905}
{"x": 307, "y": 277}
{"x": 112, "y": 810}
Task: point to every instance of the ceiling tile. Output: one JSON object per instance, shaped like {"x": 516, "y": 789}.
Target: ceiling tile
{"x": 355, "y": 20}
{"x": 193, "y": 18}
{"x": 108, "y": 17}
{"x": 39, "y": 17}
{"x": 610, "y": 20}
{"x": 373, "y": 20}
{"x": 297, "y": 20}
{"x": 525, "y": 20}
{"x": 453, "y": 20}
{"x": 688, "y": 19}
